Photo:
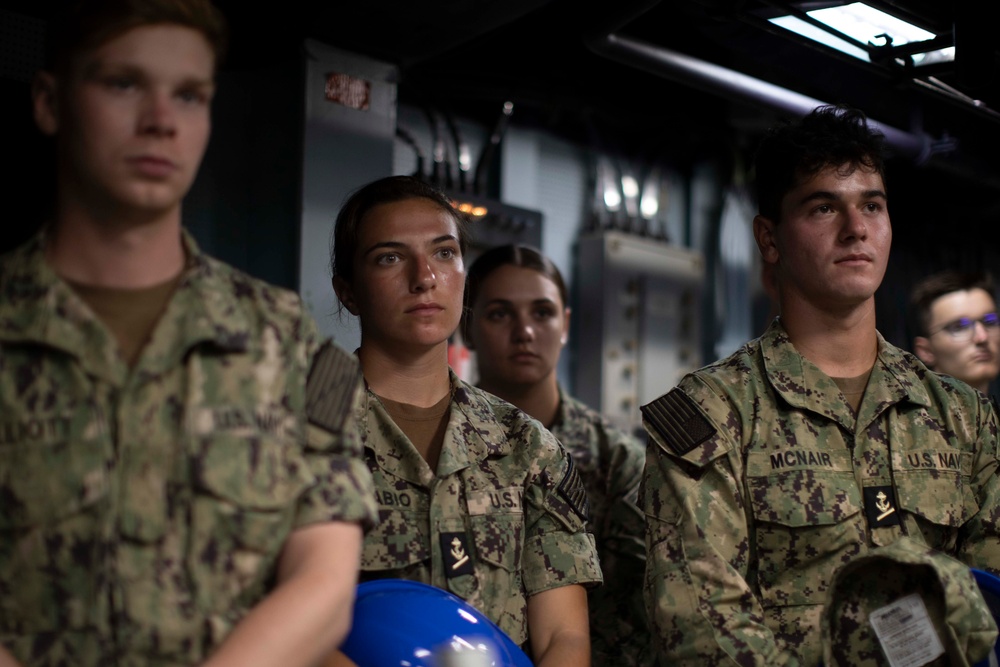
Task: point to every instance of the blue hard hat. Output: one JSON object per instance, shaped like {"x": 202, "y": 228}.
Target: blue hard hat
{"x": 989, "y": 585}
{"x": 399, "y": 623}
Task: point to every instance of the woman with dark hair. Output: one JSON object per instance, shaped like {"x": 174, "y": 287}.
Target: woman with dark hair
{"x": 517, "y": 322}
{"x": 474, "y": 497}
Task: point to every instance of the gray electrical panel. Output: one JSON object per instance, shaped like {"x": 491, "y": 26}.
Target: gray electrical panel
{"x": 637, "y": 319}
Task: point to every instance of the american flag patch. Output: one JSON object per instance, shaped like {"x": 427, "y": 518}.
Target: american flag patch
{"x": 330, "y": 388}
{"x": 573, "y": 491}
{"x": 679, "y": 421}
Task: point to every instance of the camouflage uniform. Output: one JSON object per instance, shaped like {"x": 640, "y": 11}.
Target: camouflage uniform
{"x": 142, "y": 511}
{"x": 610, "y": 463}
{"x": 760, "y": 483}
{"x": 503, "y": 519}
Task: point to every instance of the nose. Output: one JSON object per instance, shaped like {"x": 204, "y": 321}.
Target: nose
{"x": 979, "y": 332}
{"x": 523, "y": 332}
{"x": 423, "y": 277}
{"x": 854, "y": 226}
{"x": 157, "y": 115}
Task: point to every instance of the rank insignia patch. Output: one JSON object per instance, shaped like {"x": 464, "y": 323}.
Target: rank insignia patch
{"x": 457, "y": 559}
{"x": 880, "y": 507}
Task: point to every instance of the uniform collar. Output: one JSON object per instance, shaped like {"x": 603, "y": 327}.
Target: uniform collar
{"x": 207, "y": 308}
{"x": 477, "y": 433}
{"x": 574, "y": 429}
{"x": 37, "y": 306}
{"x": 803, "y": 385}
{"x": 473, "y": 435}
{"x": 568, "y": 414}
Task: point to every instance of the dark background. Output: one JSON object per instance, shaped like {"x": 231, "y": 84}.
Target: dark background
{"x": 469, "y": 57}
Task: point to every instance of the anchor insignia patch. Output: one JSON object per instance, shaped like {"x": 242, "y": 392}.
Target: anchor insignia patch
{"x": 455, "y": 551}
{"x": 879, "y": 508}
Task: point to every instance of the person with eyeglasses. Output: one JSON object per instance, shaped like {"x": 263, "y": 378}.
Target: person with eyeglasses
{"x": 959, "y": 329}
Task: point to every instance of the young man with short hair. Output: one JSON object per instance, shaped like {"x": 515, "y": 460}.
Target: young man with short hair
{"x": 817, "y": 442}
{"x": 180, "y": 474}
{"x": 959, "y": 330}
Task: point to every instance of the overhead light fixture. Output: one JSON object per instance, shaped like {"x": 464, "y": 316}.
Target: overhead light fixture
{"x": 865, "y": 25}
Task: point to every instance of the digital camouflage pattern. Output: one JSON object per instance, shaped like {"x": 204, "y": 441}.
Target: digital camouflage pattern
{"x": 758, "y": 488}
{"x": 502, "y": 520}
{"x": 610, "y": 463}
{"x": 959, "y": 615}
{"x": 142, "y": 511}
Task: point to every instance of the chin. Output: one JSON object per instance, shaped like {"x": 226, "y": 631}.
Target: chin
{"x": 979, "y": 379}
{"x": 425, "y": 339}
{"x": 526, "y": 377}
{"x": 151, "y": 203}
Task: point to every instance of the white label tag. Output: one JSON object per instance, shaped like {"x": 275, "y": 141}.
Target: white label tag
{"x": 906, "y": 633}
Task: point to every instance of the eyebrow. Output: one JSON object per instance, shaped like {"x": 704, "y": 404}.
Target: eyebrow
{"x": 396, "y": 245}
{"x": 826, "y": 195}
{"x": 98, "y": 68}
{"x": 534, "y": 302}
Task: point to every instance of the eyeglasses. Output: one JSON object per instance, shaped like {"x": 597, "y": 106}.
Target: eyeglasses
{"x": 963, "y": 328}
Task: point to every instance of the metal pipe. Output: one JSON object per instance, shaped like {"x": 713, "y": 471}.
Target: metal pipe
{"x": 486, "y": 155}
{"x": 412, "y": 143}
{"x": 940, "y": 153}
{"x": 712, "y": 78}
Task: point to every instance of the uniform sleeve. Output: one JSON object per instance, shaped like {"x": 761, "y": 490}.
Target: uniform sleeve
{"x": 980, "y": 545}
{"x": 619, "y": 629}
{"x": 623, "y": 529}
{"x": 701, "y": 608}
{"x": 558, "y": 549}
{"x": 344, "y": 490}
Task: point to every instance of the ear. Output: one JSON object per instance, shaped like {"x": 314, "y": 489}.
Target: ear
{"x": 763, "y": 233}
{"x": 345, "y": 294}
{"x": 565, "y": 332}
{"x": 922, "y": 348}
{"x": 44, "y": 97}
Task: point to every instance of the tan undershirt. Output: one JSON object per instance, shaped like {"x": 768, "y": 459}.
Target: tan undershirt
{"x": 853, "y": 388}
{"x": 130, "y": 314}
{"x": 425, "y": 427}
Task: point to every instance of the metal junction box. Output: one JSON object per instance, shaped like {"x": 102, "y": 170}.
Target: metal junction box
{"x": 637, "y": 321}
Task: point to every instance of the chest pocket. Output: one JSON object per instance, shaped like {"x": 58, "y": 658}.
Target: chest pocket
{"x": 938, "y": 492}
{"x": 802, "y": 518}
{"x": 496, "y": 585}
{"x": 499, "y": 539}
{"x": 398, "y": 546}
{"x": 246, "y": 496}
{"x": 52, "y": 499}
{"x": 76, "y": 476}
{"x": 55, "y": 473}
